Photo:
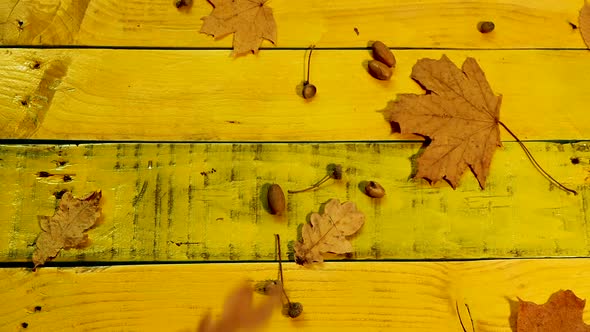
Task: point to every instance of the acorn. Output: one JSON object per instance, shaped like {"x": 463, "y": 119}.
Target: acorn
{"x": 276, "y": 199}
{"x": 374, "y": 189}
{"x": 266, "y": 287}
{"x": 382, "y": 53}
{"x": 379, "y": 70}
{"x": 335, "y": 171}
{"x": 486, "y": 26}
{"x": 309, "y": 90}
{"x": 293, "y": 309}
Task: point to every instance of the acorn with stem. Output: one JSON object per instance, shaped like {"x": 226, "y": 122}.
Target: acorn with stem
{"x": 309, "y": 89}
{"x": 334, "y": 172}
{"x": 291, "y": 309}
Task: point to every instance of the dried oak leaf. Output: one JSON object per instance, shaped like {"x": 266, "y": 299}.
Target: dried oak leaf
{"x": 250, "y": 21}
{"x": 327, "y": 232}
{"x": 585, "y": 23}
{"x": 460, "y": 114}
{"x": 66, "y": 228}
{"x": 239, "y": 311}
{"x": 563, "y": 312}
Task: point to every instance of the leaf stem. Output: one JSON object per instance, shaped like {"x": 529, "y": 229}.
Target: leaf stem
{"x": 309, "y": 62}
{"x": 313, "y": 186}
{"x": 334, "y": 172}
{"x": 536, "y": 164}
{"x": 278, "y": 242}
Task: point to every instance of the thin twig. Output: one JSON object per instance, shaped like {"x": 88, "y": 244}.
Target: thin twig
{"x": 536, "y": 164}
{"x": 459, "y": 315}
{"x": 470, "y": 318}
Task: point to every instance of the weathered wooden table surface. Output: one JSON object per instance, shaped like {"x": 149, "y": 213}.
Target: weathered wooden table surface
{"x": 128, "y": 98}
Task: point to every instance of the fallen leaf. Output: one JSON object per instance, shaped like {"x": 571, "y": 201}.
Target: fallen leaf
{"x": 239, "y": 311}
{"x": 563, "y": 312}
{"x": 250, "y": 21}
{"x": 66, "y": 228}
{"x": 327, "y": 232}
{"x": 459, "y": 114}
{"x": 585, "y": 23}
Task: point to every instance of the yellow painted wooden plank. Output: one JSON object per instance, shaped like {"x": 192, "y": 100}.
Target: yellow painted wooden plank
{"x": 195, "y": 202}
{"x": 403, "y": 23}
{"x": 381, "y": 296}
{"x": 204, "y": 95}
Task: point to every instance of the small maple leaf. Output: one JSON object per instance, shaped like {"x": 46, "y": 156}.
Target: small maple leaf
{"x": 459, "y": 113}
{"x": 239, "y": 311}
{"x": 327, "y": 232}
{"x": 65, "y": 229}
{"x": 563, "y": 312}
{"x": 585, "y": 23}
{"x": 250, "y": 21}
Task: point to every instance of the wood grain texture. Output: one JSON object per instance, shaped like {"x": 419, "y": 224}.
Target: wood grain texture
{"x": 202, "y": 202}
{"x": 204, "y": 95}
{"x": 380, "y": 296}
{"x": 206, "y": 202}
{"x": 424, "y": 23}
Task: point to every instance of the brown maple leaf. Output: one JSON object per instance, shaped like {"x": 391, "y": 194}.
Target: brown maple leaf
{"x": 327, "y": 232}
{"x": 563, "y": 312}
{"x": 585, "y": 23}
{"x": 250, "y": 21}
{"x": 239, "y": 311}
{"x": 460, "y": 114}
{"x": 65, "y": 229}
